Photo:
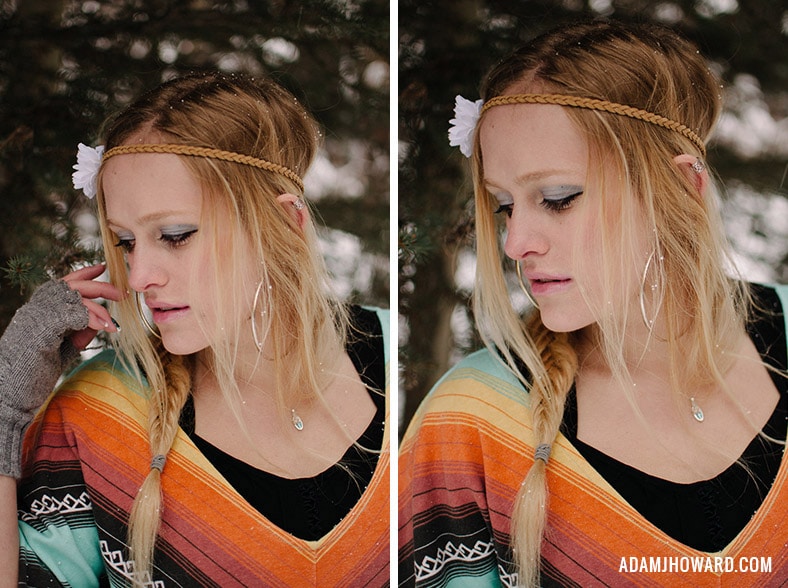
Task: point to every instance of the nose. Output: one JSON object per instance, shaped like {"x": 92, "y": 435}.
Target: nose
{"x": 145, "y": 269}
{"x": 525, "y": 235}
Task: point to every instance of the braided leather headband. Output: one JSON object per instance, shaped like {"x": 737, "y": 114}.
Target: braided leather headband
{"x": 603, "y": 105}
{"x": 210, "y": 153}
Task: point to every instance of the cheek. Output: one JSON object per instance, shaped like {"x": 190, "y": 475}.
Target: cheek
{"x": 589, "y": 262}
{"x": 225, "y": 290}
{"x": 197, "y": 274}
{"x": 211, "y": 290}
{"x": 587, "y": 242}
{"x": 505, "y": 237}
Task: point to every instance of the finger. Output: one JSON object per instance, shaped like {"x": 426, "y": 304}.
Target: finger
{"x": 93, "y": 289}
{"x": 97, "y": 323}
{"x": 99, "y": 317}
{"x": 81, "y": 339}
{"x": 86, "y": 273}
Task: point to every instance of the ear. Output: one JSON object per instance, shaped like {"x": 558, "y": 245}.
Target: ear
{"x": 695, "y": 171}
{"x": 295, "y": 207}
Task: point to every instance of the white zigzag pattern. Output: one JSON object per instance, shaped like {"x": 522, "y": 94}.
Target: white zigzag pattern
{"x": 430, "y": 566}
{"x": 509, "y": 580}
{"x": 47, "y": 505}
{"x": 125, "y": 567}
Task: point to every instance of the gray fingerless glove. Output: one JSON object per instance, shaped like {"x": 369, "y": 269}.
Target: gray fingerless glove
{"x": 33, "y": 354}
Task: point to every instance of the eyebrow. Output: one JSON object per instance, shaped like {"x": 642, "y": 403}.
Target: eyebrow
{"x": 152, "y": 217}
{"x": 525, "y": 178}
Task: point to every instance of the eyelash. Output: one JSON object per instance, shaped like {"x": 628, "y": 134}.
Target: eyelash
{"x": 562, "y": 204}
{"x": 507, "y": 208}
{"x": 551, "y": 205}
{"x": 173, "y": 241}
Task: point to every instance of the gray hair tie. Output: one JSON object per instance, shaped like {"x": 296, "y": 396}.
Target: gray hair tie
{"x": 157, "y": 463}
{"x": 542, "y": 452}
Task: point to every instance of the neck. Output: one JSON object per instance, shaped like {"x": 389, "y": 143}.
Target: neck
{"x": 253, "y": 372}
{"x": 643, "y": 350}
{"x": 647, "y": 354}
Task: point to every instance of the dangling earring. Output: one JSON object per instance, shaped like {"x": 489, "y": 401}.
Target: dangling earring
{"x": 524, "y": 288}
{"x": 654, "y": 285}
{"x": 255, "y": 336}
{"x": 143, "y": 318}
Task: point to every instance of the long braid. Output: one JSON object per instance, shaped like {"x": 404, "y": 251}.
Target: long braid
{"x": 548, "y": 396}
{"x": 165, "y": 407}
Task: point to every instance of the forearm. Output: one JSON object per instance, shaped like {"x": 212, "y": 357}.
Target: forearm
{"x": 9, "y": 533}
{"x": 32, "y": 356}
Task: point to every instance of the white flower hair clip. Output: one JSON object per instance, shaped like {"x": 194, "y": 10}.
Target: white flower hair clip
{"x": 86, "y": 169}
{"x": 463, "y": 125}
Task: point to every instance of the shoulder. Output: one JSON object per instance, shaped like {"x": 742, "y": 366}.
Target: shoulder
{"x": 101, "y": 376}
{"x": 99, "y": 398}
{"x": 480, "y": 374}
{"x": 780, "y": 290}
{"x": 760, "y": 290}
{"x": 372, "y": 324}
{"x": 770, "y": 302}
{"x": 479, "y": 394}
{"x": 371, "y": 315}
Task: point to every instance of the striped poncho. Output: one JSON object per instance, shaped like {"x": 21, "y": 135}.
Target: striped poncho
{"x": 462, "y": 461}
{"x": 86, "y": 457}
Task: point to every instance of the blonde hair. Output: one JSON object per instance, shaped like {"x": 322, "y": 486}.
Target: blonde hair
{"x": 304, "y": 325}
{"x": 646, "y": 67}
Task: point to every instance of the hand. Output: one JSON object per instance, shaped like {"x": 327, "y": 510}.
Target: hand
{"x": 83, "y": 281}
{"x": 33, "y": 354}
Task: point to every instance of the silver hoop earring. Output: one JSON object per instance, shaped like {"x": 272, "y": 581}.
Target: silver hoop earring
{"x": 255, "y": 336}
{"x": 144, "y": 319}
{"x": 524, "y": 288}
{"x": 654, "y": 285}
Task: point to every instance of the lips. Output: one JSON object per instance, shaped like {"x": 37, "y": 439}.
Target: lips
{"x": 542, "y": 283}
{"x": 166, "y": 312}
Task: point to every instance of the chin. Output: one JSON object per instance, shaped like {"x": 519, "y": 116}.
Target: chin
{"x": 562, "y": 322}
{"x": 182, "y": 345}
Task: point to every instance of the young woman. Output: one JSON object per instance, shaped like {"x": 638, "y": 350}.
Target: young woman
{"x": 630, "y": 429}
{"x": 240, "y": 439}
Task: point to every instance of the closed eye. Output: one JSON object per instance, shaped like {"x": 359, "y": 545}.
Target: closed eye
{"x": 559, "y": 204}
{"x": 175, "y": 240}
{"x": 126, "y": 244}
{"x": 505, "y": 208}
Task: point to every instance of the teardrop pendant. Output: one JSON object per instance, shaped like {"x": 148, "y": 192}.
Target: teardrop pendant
{"x": 297, "y": 422}
{"x": 696, "y": 410}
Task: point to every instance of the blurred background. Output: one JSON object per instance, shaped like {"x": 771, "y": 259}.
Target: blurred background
{"x": 446, "y": 47}
{"x": 65, "y": 65}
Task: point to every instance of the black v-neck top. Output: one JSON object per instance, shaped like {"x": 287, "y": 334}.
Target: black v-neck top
{"x": 707, "y": 515}
{"x": 309, "y": 508}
